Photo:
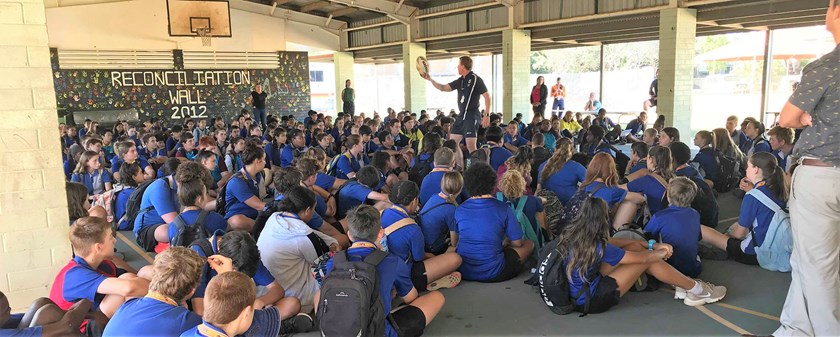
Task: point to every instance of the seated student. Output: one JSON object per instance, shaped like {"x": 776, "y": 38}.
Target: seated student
{"x": 498, "y": 154}
{"x": 193, "y": 197}
{"x": 512, "y": 187}
{"x": 569, "y": 124}
{"x": 681, "y": 155}
{"x": 485, "y": 225}
{"x": 737, "y": 136}
{"x": 218, "y": 168}
{"x": 668, "y": 136}
{"x": 78, "y": 203}
{"x": 601, "y": 182}
{"x": 754, "y": 219}
{"x": 385, "y": 164}
{"x": 130, "y": 177}
{"x": 94, "y": 273}
{"x": 233, "y": 159}
{"x": 405, "y": 240}
{"x": 549, "y": 136}
{"x": 152, "y": 149}
{"x": 444, "y": 161}
{"x": 392, "y": 273}
{"x": 310, "y": 168}
{"x": 242, "y": 195}
{"x": 650, "y": 137}
{"x": 324, "y": 181}
{"x": 611, "y": 266}
{"x": 255, "y": 131}
{"x": 679, "y": 226}
{"x": 437, "y": 217}
{"x": 781, "y": 141}
{"x": 173, "y": 140}
{"x": 160, "y": 313}
{"x": 706, "y": 159}
{"x": 240, "y": 247}
{"x": 187, "y": 149}
{"x": 293, "y": 150}
{"x": 541, "y": 155}
{"x": 127, "y": 153}
{"x": 521, "y": 162}
{"x": 560, "y": 174}
{"x": 595, "y": 142}
{"x": 43, "y": 318}
{"x": 159, "y": 206}
{"x": 755, "y": 134}
{"x": 513, "y": 140}
{"x": 358, "y": 191}
{"x": 90, "y": 173}
{"x": 638, "y": 161}
{"x": 288, "y": 246}
{"x": 636, "y": 127}
{"x": 655, "y": 183}
{"x": 347, "y": 164}
{"x": 324, "y": 142}
{"x": 169, "y": 167}
{"x": 285, "y": 180}
{"x": 274, "y": 148}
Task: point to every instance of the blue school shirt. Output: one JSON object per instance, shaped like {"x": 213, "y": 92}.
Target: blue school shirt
{"x": 146, "y": 316}
{"x": 9, "y": 329}
{"x": 612, "y": 256}
{"x": 262, "y": 278}
{"x": 69, "y": 165}
{"x": 237, "y": 191}
{"x": 653, "y": 190}
{"x": 82, "y": 281}
{"x": 762, "y": 146}
{"x": 345, "y": 165}
{"x": 533, "y": 205}
{"x": 272, "y": 155}
{"x": 315, "y": 222}
{"x": 515, "y": 141}
{"x": 160, "y": 199}
{"x": 117, "y": 162}
{"x": 706, "y": 159}
{"x": 170, "y": 144}
{"x": 119, "y": 208}
{"x": 612, "y": 195}
{"x": 755, "y": 214}
{"x": 498, "y": 156}
{"x": 635, "y": 127}
{"x": 483, "y": 224}
{"x": 287, "y": 156}
{"x": 324, "y": 181}
{"x": 680, "y": 228}
{"x": 782, "y": 159}
{"x": 564, "y": 183}
{"x": 212, "y": 222}
{"x": 641, "y": 164}
{"x": 688, "y": 171}
{"x": 391, "y": 273}
{"x": 94, "y": 181}
{"x": 407, "y": 243}
{"x": 594, "y": 149}
{"x": 437, "y": 221}
{"x": 352, "y": 195}
{"x": 430, "y": 185}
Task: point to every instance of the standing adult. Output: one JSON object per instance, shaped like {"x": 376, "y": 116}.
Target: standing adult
{"x": 812, "y": 303}
{"x": 258, "y": 98}
{"x": 469, "y": 87}
{"x": 558, "y": 92}
{"x": 653, "y": 91}
{"x": 348, "y": 96}
{"x": 539, "y": 93}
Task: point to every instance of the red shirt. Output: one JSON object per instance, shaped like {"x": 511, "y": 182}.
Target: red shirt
{"x": 535, "y": 95}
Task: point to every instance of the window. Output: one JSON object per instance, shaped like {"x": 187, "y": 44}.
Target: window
{"x": 316, "y": 76}
{"x": 578, "y": 68}
{"x": 629, "y": 69}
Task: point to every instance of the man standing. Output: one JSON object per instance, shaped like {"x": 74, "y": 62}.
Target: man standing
{"x": 558, "y": 91}
{"x": 653, "y": 91}
{"x": 812, "y": 303}
{"x": 348, "y": 96}
{"x": 469, "y": 87}
{"x": 258, "y": 98}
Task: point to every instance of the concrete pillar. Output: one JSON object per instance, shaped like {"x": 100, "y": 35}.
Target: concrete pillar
{"x": 33, "y": 207}
{"x": 415, "y": 86}
{"x": 516, "y": 71}
{"x": 677, "y": 33}
{"x": 343, "y": 63}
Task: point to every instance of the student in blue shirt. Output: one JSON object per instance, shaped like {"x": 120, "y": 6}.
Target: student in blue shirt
{"x": 130, "y": 177}
{"x": 392, "y": 273}
{"x": 158, "y": 207}
{"x": 127, "y": 153}
{"x": 668, "y": 136}
{"x": 595, "y": 142}
{"x": 324, "y": 181}
{"x": 754, "y": 219}
{"x": 444, "y": 162}
{"x": 274, "y": 148}
{"x": 682, "y": 155}
{"x": 561, "y": 175}
{"x": 233, "y": 159}
{"x": 636, "y": 127}
{"x": 485, "y": 225}
{"x": 498, "y": 154}
{"x": 610, "y": 266}
{"x": 654, "y": 185}
{"x": 513, "y": 140}
{"x": 152, "y": 149}
{"x": 706, "y": 158}
{"x": 637, "y": 167}
{"x": 89, "y": 172}
{"x": 358, "y": 191}
{"x": 405, "y": 240}
{"x": 602, "y": 180}
{"x": 512, "y": 189}
{"x": 781, "y": 141}
{"x": 176, "y": 275}
{"x": 296, "y": 147}
{"x": 289, "y": 177}
{"x": 437, "y": 217}
{"x": 347, "y": 164}
{"x": 193, "y": 198}
{"x": 242, "y": 195}
{"x": 679, "y": 226}
{"x": 756, "y": 143}
{"x": 173, "y": 140}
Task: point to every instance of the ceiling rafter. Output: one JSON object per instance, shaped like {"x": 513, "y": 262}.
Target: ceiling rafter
{"x": 313, "y": 6}
{"x": 331, "y": 25}
{"x": 397, "y": 11}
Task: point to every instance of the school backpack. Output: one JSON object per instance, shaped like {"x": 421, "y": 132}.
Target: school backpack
{"x": 332, "y": 167}
{"x": 481, "y": 154}
{"x": 572, "y": 208}
{"x": 185, "y": 233}
{"x": 550, "y": 280}
{"x": 729, "y": 175}
{"x": 632, "y": 231}
{"x": 552, "y": 208}
{"x": 132, "y": 206}
{"x": 774, "y": 252}
{"x": 350, "y": 303}
{"x": 108, "y": 201}
{"x": 524, "y": 222}
{"x": 704, "y": 201}
{"x": 420, "y": 169}
{"x": 221, "y": 197}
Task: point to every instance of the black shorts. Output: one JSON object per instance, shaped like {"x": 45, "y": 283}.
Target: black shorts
{"x": 408, "y": 321}
{"x": 146, "y": 237}
{"x": 468, "y": 125}
{"x": 733, "y": 249}
{"x": 418, "y": 276}
{"x": 512, "y": 267}
{"x": 606, "y": 296}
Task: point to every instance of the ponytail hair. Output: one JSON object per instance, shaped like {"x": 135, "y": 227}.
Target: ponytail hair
{"x": 563, "y": 153}
{"x": 661, "y": 156}
{"x": 774, "y": 176}
{"x": 708, "y": 137}
{"x": 451, "y": 185}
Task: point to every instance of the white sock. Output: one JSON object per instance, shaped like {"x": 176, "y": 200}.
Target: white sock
{"x": 697, "y": 289}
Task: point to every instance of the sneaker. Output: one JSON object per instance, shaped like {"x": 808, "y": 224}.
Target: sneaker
{"x": 711, "y": 294}
{"x": 679, "y": 293}
{"x": 299, "y": 323}
{"x": 448, "y": 281}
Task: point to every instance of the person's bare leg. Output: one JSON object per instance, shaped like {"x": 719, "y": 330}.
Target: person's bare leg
{"x": 69, "y": 324}
{"x": 328, "y": 229}
{"x": 240, "y": 222}
{"x": 110, "y": 304}
{"x": 666, "y": 273}
{"x": 626, "y": 275}
{"x": 525, "y": 250}
{"x": 33, "y": 308}
{"x": 624, "y": 213}
{"x": 147, "y": 272}
{"x": 471, "y": 144}
{"x": 712, "y": 236}
{"x": 441, "y": 265}
{"x": 288, "y": 307}
{"x": 459, "y": 155}
{"x": 162, "y": 233}
{"x": 430, "y": 304}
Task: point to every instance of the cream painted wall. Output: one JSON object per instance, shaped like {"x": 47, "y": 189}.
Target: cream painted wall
{"x": 142, "y": 25}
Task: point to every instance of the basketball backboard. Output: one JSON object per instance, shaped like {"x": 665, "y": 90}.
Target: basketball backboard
{"x": 189, "y": 17}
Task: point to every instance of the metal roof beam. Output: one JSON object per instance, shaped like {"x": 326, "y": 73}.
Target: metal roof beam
{"x": 396, "y": 11}
{"x": 343, "y": 11}
{"x": 313, "y": 6}
{"x": 331, "y": 25}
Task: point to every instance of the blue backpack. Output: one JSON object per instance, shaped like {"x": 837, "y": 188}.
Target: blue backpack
{"x": 774, "y": 252}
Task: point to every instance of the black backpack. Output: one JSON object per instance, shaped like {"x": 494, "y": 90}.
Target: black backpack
{"x": 481, "y": 154}
{"x": 332, "y": 167}
{"x": 572, "y": 208}
{"x": 729, "y": 175}
{"x": 350, "y": 304}
{"x": 221, "y": 197}
{"x": 420, "y": 169}
{"x": 705, "y": 202}
{"x": 550, "y": 279}
{"x": 185, "y": 233}
{"x": 132, "y": 206}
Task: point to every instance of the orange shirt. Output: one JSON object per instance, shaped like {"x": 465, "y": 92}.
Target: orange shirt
{"x": 558, "y": 91}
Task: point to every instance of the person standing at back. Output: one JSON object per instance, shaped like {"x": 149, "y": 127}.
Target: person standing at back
{"x": 538, "y": 95}
{"x": 258, "y": 98}
{"x": 558, "y": 92}
{"x": 813, "y": 299}
{"x": 348, "y": 96}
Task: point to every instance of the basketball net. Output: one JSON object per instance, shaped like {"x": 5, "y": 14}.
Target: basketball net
{"x": 206, "y": 37}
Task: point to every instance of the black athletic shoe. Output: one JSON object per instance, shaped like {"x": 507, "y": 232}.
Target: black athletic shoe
{"x": 298, "y": 323}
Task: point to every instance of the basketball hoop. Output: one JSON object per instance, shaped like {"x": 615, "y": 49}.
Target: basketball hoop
{"x": 206, "y": 37}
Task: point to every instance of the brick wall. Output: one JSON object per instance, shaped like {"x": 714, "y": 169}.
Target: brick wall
{"x": 415, "y": 86}
{"x": 516, "y": 72}
{"x": 33, "y": 208}
{"x": 677, "y": 35}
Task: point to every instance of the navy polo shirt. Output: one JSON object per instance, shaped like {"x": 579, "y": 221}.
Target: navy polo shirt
{"x": 161, "y": 199}
{"x": 146, "y": 316}
{"x": 515, "y": 140}
{"x": 564, "y": 183}
{"x": 324, "y": 181}
{"x": 238, "y": 190}
{"x": 611, "y": 194}
{"x": 407, "y": 243}
{"x": 347, "y": 164}
{"x": 680, "y": 228}
{"x": 653, "y": 190}
{"x": 469, "y": 88}
{"x": 351, "y": 195}
{"x": 706, "y": 159}
{"x": 498, "y": 156}
{"x": 287, "y": 156}
{"x": 483, "y": 224}
{"x": 117, "y": 162}
{"x": 437, "y": 221}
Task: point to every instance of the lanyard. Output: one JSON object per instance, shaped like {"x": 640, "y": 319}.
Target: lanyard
{"x": 759, "y": 184}
{"x": 208, "y": 331}
{"x": 363, "y": 244}
{"x": 288, "y": 215}
{"x": 252, "y": 183}
{"x": 399, "y": 209}
{"x": 486, "y": 196}
{"x": 161, "y": 297}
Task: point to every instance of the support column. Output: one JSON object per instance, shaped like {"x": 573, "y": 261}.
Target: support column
{"x": 33, "y": 206}
{"x": 677, "y": 33}
{"x": 343, "y": 63}
{"x": 516, "y": 72}
{"x": 415, "y": 86}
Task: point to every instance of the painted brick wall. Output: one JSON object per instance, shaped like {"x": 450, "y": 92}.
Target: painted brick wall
{"x": 33, "y": 207}
{"x": 415, "y": 86}
{"x": 516, "y": 72}
{"x": 677, "y": 34}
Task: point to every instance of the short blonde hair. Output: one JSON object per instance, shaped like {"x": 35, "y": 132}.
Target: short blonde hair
{"x": 512, "y": 184}
{"x": 86, "y": 232}
{"x": 227, "y": 295}
{"x": 681, "y": 191}
{"x": 177, "y": 272}
{"x": 444, "y": 156}
{"x": 452, "y": 183}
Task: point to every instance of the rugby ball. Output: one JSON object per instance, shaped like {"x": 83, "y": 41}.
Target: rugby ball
{"x": 422, "y": 66}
